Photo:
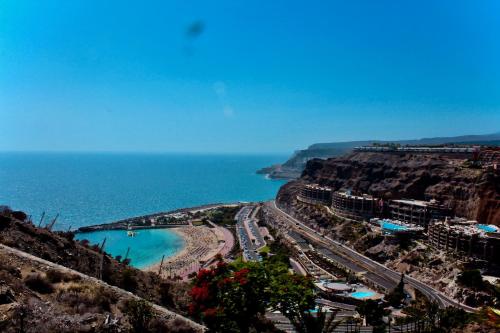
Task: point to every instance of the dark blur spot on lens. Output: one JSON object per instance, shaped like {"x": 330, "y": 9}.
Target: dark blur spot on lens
{"x": 195, "y": 29}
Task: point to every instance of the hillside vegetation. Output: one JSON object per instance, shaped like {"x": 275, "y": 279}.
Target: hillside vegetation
{"x": 64, "y": 301}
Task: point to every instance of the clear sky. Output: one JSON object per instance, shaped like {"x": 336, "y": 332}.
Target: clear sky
{"x": 244, "y": 76}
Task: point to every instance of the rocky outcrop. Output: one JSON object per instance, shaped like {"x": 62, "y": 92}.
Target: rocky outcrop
{"x": 294, "y": 166}
{"x": 470, "y": 192}
{"x": 281, "y": 171}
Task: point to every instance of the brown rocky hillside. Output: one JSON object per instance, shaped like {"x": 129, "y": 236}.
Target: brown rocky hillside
{"x": 471, "y": 192}
{"x": 60, "y": 248}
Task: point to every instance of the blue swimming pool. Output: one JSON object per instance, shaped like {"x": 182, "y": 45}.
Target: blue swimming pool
{"x": 487, "y": 227}
{"x": 362, "y": 294}
{"x": 392, "y": 226}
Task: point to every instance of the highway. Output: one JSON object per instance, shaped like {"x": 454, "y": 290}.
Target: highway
{"x": 249, "y": 248}
{"x": 379, "y": 273}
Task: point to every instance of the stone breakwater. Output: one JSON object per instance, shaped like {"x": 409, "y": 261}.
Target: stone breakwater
{"x": 138, "y": 221}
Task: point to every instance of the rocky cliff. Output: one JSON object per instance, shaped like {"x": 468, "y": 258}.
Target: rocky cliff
{"x": 294, "y": 166}
{"x": 470, "y": 192}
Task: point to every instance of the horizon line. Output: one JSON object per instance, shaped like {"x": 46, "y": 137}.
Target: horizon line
{"x": 158, "y": 152}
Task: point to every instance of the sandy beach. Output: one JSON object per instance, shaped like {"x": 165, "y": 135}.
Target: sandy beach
{"x": 201, "y": 245}
{"x": 182, "y": 253}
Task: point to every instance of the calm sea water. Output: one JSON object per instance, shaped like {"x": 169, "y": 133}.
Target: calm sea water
{"x": 145, "y": 249}
{"x": 88, "y": 189}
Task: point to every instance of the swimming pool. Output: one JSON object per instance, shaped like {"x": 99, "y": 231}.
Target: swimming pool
{"x": 392, "y": 226}
{"x": 487, "y": 227}
{"x": 362, "y": 294}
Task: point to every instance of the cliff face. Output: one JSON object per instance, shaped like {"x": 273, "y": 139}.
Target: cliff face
{"x": 472, "y": 193}
{"x": 293, "y": 167}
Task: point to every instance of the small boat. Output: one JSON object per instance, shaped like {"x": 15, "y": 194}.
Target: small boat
{"x": 131, "y": 233}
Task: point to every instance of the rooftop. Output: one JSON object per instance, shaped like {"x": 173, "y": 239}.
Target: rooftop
{"x": 347, "y": 194}
{"x": 318, "y": 187}
{"x": 414, "y": 202}
{"x": 470, "y": 228}
{"x": 417, "y": 149}
{"x": 338, "y": 286}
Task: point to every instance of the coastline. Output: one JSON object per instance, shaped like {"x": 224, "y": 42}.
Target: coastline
{"x": 201, "y": 245}
{"x": 183, "y": 252}
{"x": 129, "y": 222}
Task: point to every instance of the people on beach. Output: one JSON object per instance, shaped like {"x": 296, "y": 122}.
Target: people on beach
{"x": 201, "y": 246}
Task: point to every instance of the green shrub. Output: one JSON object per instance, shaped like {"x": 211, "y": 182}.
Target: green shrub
{"x": 87, "y": 298}
{"x": 21, "y": 216}
{"x": 471, "y": 279}
{"x": 128, "y": 280}
{"x": 165, "y": 295}
{"x": 175, "y": 326}
{"x": 4, "y": 222}
{"x": 139, "y": 314}
{"x": 103, "y": 298}
{"x": 39, "y": 283}
{"x": 56, "y": 276}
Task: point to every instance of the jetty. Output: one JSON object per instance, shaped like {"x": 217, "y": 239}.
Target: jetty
{"x": 168, "y": 219}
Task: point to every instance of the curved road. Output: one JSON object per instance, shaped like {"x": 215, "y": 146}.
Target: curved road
{"x": 432, "y": 294}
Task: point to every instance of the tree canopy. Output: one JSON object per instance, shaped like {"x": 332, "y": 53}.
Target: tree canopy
{"x": 397, "y": 295}
{"x": 234, "y": 297}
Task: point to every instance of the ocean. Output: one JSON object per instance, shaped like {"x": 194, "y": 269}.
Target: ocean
{"x": 93, "y": 188}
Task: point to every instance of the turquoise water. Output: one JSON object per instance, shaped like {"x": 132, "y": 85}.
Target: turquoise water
{"x": 392, "y": 227}
{"x": 487, "y": 227}
{"x": 88, "y": 189}
{"x": 146, "y": 248}
{"x": 362, "y": 294}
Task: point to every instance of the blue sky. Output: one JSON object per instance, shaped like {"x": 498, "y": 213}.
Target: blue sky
{"x": 263, "y": 76}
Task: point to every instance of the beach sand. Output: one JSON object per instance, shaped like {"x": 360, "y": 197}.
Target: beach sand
{"x": 201, "y": 245}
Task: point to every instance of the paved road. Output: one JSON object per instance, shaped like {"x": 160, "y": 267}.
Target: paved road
{"x": 250, "y": 251}
{"x": 370, "y": 265}
{"x": 254, "y": 229}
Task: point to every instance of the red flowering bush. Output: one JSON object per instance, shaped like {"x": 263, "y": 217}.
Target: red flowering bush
{"x": 241, "y": 276}
{"x": 232, "y": 297}
{"x": 227, "y": 297}
{"x": 200, "y": 293}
